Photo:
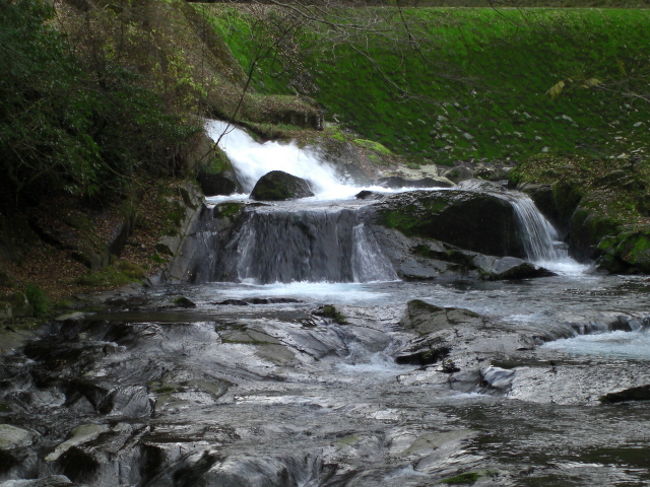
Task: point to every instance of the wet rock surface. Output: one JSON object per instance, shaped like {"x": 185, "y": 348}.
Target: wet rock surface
{"x": 475, "y": 221}
{"x": 355, "y": 389}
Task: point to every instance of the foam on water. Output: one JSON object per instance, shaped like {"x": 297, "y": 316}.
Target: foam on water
{"x": 344, "y": 292}
{"x": 565, "y": 266}
{"x": 616, "y": 344}
{"x": 252, "y": 160}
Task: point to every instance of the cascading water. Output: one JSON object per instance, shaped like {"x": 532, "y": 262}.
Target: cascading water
{"x": 289, "y": 245}
{"x": 540, "y": 239}
{"x": 252, "y": 160}
{"x": 297, "y": 384}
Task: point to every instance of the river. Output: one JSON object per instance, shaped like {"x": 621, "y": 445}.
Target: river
{"x": 279, "y": 377}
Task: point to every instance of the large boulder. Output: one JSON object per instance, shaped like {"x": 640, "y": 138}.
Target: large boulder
{"x": 480, "y": 222}
{"x": 436, "y": 328}
{"x": 587, "y": 228}
{"x": 279, "y": 186}
{"x": 16, "y": 447}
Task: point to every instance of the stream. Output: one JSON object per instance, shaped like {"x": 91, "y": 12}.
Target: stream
{"x": 289, "y": 362}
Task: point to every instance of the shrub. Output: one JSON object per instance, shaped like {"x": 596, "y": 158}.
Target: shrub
{"x": 38, "y": 299}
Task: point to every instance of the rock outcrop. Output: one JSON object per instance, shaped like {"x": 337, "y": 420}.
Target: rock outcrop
{"x": 474, "y": 221}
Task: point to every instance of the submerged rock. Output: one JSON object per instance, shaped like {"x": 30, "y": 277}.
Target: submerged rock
{"x": 13, "y": 438}
{"x": 641, "y": 393}
{"x": 279, "y": 186}
{"x": 368, "y": 195}
{"x": 16, "y": 447}
{"x": 425, "y": 318}
{"x": 183, "y": 302}
{"x": 79, "y": 436}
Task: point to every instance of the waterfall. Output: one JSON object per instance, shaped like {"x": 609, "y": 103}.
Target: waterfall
{"x": 540, "y": 239}
{"x": 286, "y": 245}
{"x": 537, "y": 234}
{"x": 252, "y": 160}
{"x": 368, "y": 262}
{"x": 309, "y": 244}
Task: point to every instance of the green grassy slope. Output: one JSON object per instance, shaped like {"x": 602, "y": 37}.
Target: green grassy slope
{"x": 478, "y": 83}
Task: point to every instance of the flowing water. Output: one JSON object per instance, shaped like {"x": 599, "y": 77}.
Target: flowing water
{"x": 284, "y": 374}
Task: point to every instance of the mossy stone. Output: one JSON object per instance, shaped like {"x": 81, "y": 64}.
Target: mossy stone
{"x": 474, "y": 221}
{"x": 627, "y": 252}
{"x": 279, "y": 186}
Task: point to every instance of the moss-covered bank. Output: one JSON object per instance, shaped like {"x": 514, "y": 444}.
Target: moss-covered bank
{"x": 465, "y": 84}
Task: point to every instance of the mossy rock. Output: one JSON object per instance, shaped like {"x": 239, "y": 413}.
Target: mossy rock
{"x": 627, "y": 252}
{"x": 183, "y": 302}
{"x": 282, "y": 110}
{"x": 374, "y": 146}
{"x": 279, "y": 186}
{"x": 566, "y": 198}
{"x": 6, "y": 311}
{"x": 228, "y": 210}
{"x": 216, "y": 175}
{"x": 20, "y": 305}
{"x": 467, "y": 478}
{"x": 474, "y": 221}
{"x": 330, "y": 311}
{"x": 588, "y": 227}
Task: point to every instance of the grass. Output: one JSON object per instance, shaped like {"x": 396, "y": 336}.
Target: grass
{"x": 248, "y": 40}
{"x": 229, "y": 210}
{"x": 477, "y": 85}
{"x": 330, "y": 311}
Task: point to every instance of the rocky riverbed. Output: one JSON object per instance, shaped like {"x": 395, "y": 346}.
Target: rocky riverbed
{"x": 353, "y": 384}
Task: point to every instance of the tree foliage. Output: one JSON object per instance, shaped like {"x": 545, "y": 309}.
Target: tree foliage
{"x": 69, "y": 123}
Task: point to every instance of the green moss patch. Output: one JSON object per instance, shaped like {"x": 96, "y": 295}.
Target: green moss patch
{"x": 330, "y": 311}
{"x": 229, "y": 210}
{"x": 626, "y": 251}
{"x": 462, "y": 479}
{"x": 403, "y": 220}
{"x": 117, "y": 274}
{"x": 374, "y": 146}
{"x": 37, "y": 299}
